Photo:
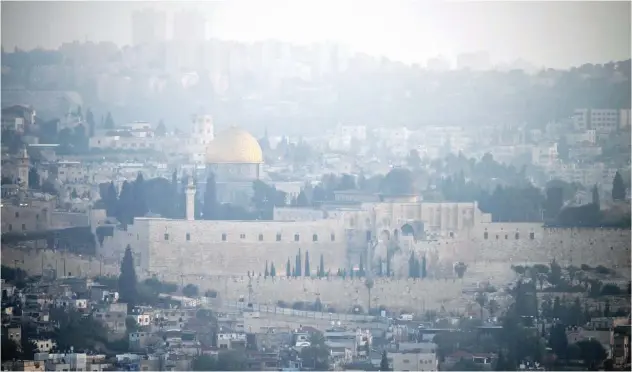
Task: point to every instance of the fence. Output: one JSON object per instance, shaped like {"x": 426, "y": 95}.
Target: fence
{"x": 298, "y": 313}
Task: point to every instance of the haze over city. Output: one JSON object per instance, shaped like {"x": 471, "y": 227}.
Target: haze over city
{"x": 547, "y": 33}
{"x": 316, "y": 186}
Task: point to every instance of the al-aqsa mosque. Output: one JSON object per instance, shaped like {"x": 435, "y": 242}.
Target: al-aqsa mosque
{"x": 234, "y": 157}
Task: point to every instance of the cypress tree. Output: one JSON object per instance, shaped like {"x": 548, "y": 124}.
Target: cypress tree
{"x": 127, "y": 279}
{"x": 321, "y": 272}
{"x": 618, "y": 187}
{"x": 307, "y": 269}
{"x": 140, "y": 204}
{"x": 298, "y": 263}
{"x": 411, "y": 265}
{"x": 265, "y": 272}
{"x": 125, "y": 205}
{"x": 288, "y": 271}
{"x": 272, "y": 270}
{"x": 384, "y": 366}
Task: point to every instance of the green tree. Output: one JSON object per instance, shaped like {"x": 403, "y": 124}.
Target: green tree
{"x": 307, "y": 268}
{"x": 481, "y": 300}
{"x": 127, "y": 279}
{"x": 555, "y": 273}
{"x": 316, "y": 356}
{"x": 384, "y": 365}
{"x": 190, "y": 290}
{"x": 460, "y": 268}
{"x": 592, "y": 353}
{"x": 618, "y": 187}
{"x": 265, "y": 272}
{"x": 272, "y": 270}
{"x": 297, "y": 268}
{"x": 10, "y": 349}
{"x": 301, "y": 200}
{"x": 161, "y": 130}
{"x": 109, "y": 122}
{"x": 288, "y": 270}
{"x": 91, "y": 123}
{"x": 140, "y": 202}
{"x": 321, "y": 267}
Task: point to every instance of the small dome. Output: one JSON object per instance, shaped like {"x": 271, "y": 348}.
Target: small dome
{"x": 234, "y": 146}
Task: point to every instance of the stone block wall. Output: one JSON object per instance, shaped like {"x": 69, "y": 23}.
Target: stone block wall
{"x": 229, "y": 248}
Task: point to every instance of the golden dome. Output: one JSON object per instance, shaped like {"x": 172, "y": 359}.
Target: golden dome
{"x": 234, "y": 146}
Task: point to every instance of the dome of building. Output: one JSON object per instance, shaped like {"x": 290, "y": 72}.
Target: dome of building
{"x": 234, "y": 146}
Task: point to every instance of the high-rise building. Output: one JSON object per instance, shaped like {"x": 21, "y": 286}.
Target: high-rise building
{"x": 148, "y": 27}
{"x": 189, "y": 25}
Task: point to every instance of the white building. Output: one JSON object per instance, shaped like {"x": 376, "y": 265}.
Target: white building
{"x": 202, "y": 135}
{"x": 601, "y": 120}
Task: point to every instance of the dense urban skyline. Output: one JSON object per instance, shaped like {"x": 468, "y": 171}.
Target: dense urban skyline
{"x": 555, "y": 34}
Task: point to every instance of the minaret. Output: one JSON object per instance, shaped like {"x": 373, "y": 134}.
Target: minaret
{"x": 190, "y": 195}
{"x": 23, "y": 168}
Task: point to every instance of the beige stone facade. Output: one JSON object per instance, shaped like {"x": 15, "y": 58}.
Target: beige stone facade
{"x": 229, "y": 248}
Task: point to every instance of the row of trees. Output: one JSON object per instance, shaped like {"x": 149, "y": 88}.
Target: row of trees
{"x": 296, "y": 270}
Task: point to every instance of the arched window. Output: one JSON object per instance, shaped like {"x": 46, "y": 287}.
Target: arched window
{"x": 315, "y": 237}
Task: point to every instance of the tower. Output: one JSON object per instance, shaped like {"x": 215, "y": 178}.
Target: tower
{"x": 23, "y": 168}
{"x": 190, "y": 196}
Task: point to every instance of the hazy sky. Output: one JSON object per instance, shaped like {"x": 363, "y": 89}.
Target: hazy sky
{"x": 556, "y": 34}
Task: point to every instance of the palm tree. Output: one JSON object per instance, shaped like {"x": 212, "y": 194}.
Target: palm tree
{"x": 481, "y": 300}
{"x": 368, "y": 283}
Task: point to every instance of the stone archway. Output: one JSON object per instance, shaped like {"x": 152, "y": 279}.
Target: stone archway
{"x": 408, "y": 230}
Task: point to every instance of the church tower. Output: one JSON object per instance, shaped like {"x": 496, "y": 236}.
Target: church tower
{"x": 190, "y": 196}
{"x": 23, "y": 165}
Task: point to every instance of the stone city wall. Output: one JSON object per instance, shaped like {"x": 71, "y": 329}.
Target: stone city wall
{"x": 340, "y": 293}
{"x": 607, "y": 247}
{"x": 228, "y": 248}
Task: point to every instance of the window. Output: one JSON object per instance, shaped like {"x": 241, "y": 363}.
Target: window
{"x": 37, "y": 217}
{"x": 23, "y": 227}
{"x": 315, "y": 238}
{"x": 188, "y": 237}
{"x": 451, "y": 234}
{"x": 260, "y": 237}
{"x": 224, "y": 237}
{"x": 296, "y": 237}
{"x": 278, "y": 238}
{"x": 485, "y": 235}
{"x": 166, "y": 236}
{"x": 517, "y": 236}
{"x": 496, "y": 236}
{"x": 368, "y": 236}
{"x": 17, "y": 214}
{"x": 333, "y": 237}
{"x": 242, "y": 236}
{"x": 506, "y": 236}
{"x": 406, "y": 361}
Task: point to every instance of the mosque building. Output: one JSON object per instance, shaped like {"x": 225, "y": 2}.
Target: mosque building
{"x": 234, "y": 157}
